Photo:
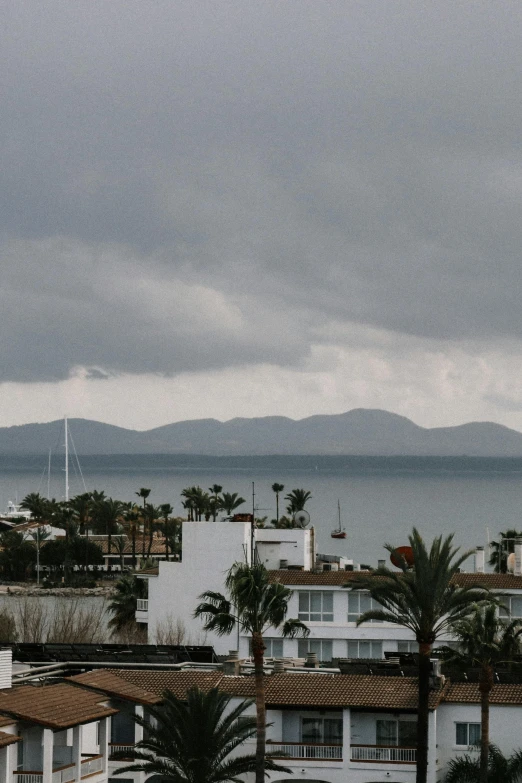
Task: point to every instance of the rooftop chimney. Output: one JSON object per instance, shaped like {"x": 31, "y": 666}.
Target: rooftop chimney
{"x": 480, "y": 561}
{"x": 311, "y": 661}
{"x": 231, "y": 666}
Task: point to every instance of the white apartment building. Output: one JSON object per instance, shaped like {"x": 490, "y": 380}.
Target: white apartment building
{"x": 330, "y": 727}
{"x": 320, "y": 598}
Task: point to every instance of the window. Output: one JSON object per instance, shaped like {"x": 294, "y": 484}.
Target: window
{"x": 322, "y": 647}
{"x": 322, "y": 731}
{"x": 360, "y": 602}
{"x": 364, "y": 648}
{"x": 402, "y": 733}
{"x": 316, "y": 606}
{"x": 274, "y": 648}
{"x": 512, "y": 606}
{"x": 467, "y": 734}
{"x": 407, "y": 647}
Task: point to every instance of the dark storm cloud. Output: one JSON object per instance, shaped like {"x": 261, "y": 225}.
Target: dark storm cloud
{"x": 199, "y": 185}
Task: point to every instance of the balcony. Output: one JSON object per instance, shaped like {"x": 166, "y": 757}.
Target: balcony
{"x": 122, "y": 748}
{"x": 91, "y": 765}
{"x": 384, "y": 754}
{"x": 300, "y": 750}
{"x": 142, "y": 604}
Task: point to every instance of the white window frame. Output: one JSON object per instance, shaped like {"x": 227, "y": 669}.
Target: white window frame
{"x": 317, "y": 613}
{"x": 467, "y": 724}
{"x": 505, "y": 612}
{"x": 323, "y": 648}
{"x": 354, "y": 602}
{"x": 371, "y": 642}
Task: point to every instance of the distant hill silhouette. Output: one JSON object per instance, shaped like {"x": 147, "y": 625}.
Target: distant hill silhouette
{"x": 358, "y": 432}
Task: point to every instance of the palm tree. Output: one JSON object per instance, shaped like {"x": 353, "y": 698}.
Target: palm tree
{"x": 466, "y": 769}
{"x": 297, "y": 499}
{"x": 501, "y": 549}
{"x": 191, "y": 741}
{"x": 36, "y": 505}
{"x": 123, "y": 602}
{"x": 230, "y": 501}
{"x": 485, "y": 640}
{"x": 277, "y": 488}
{"x": 426, "y": 600}
{"x": 255, "y": 605}
{"x": 109, "y": 513}
{"x": 166, "y": 510}
{"x": 144, "y": 493}
{"x": 131, "y": 515}
{"x": 81, "y": 506}
{"x": 215, "y": 489}
{"x": 153, "y": 514}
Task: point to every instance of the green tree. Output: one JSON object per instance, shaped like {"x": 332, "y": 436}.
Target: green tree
{"x": 502, "y": 548}
{"x": 16, "y": 555}
{"x": 426, "y": 600}
{"x": 297, "y": 499}
{"x": 277, "y": 488}
{"x": 255, "y": 604}
{"x": 229, "y": 501}
{"x": 501, "y": 769}
{"x": 191, "y": 741}
{"x": 485, "y": 641}
{"x": 123, "y": 603}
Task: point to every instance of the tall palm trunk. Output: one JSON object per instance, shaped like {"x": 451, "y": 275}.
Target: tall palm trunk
{"x": 423, "y": 711}
{"x": 485, "y": 686}
{"x": 166, "y": 539}
{"x": 258, "y": 649}
{"x": 133, "y": 539}
{"x": 151, "y": 533}
{"x": 109, "y": 547}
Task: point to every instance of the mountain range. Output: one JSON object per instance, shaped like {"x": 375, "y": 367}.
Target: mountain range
{"x": 364, "y": 432}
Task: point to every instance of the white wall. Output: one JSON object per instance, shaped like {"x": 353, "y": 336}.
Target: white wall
{"x": 209, "y": 551}
{"x": 505, "y": 728}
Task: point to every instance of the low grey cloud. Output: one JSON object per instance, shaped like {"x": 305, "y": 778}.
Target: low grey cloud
{"x": 199, "y": 186}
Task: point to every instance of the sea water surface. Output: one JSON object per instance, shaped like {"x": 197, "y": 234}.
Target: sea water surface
{"x": 381, "y": 498}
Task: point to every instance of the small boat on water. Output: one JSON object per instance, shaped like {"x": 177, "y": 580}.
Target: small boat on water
{"x": 339, "y": 531}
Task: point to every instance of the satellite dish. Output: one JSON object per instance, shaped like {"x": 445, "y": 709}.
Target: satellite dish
{"x": 401, "y": 555}
{"x": 511, "y": 561}
{"x": 302, "y": 518}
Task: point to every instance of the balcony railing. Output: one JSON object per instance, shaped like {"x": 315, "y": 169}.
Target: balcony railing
{"x": 90, "y": 766}
{"x": 26, "y": 776}
{"x": 142, "y": 605}
{"x": 300, "y": 750}
{"x": 118, "y": 747}
{"x": 380, "y": 753}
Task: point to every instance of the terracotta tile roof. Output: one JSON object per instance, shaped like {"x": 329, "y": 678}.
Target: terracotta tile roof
{"x": 5, "y": 720}
{"x": 148, "y": 572}
{"x": 108, "y": 682}
{"x": 176, "y": 681}
{"x": 315, "y": 690}
{"x": 8, "y": 739}
{"x": 158, "y": 545}
{"x": 340, "y": 578}
{"x": 468, "y": 692}
{"x": 492, "y": 581}
{"x": 327, "y": 578}
{"x": 57, "y": 706}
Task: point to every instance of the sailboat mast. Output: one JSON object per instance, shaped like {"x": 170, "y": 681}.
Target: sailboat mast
{"x": 66, "y": 461}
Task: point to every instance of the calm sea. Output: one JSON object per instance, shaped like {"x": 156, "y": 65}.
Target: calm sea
{"x": 381, "y": 498}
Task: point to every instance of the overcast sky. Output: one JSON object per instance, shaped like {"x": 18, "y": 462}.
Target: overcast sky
{"x": 219, "y": 209}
